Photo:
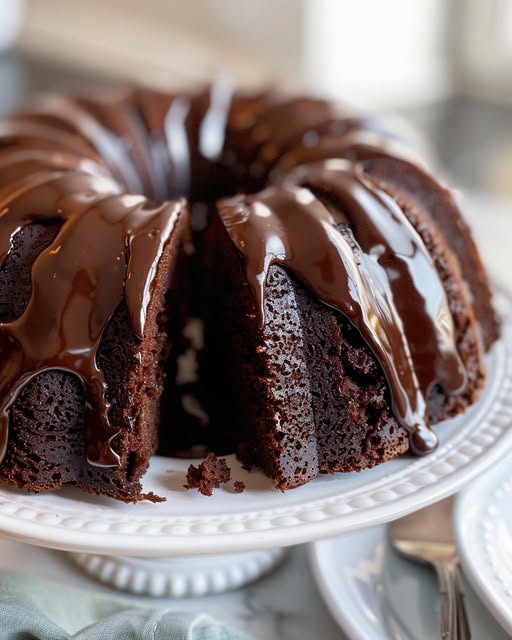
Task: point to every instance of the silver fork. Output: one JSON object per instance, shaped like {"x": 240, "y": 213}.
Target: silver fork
{"x": 427, "y": 537}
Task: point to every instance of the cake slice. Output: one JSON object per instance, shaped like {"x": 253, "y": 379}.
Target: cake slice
{"x": 309, "y": 352}
{"x": 83, "y": 405}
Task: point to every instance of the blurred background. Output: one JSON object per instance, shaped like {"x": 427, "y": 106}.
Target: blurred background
{"x": 446, "y": 66}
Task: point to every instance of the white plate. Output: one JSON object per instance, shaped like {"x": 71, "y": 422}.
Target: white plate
{"x": 376, "y": 595}
{"x": 483, "y": 529}
{"x": 189, "y": 523}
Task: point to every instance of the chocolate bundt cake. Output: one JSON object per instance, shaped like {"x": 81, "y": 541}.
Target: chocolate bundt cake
{"x": 210, "y": 271}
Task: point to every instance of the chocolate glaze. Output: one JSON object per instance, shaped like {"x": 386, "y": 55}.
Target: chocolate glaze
{"x": 107, "y": 249}
{"x": 356, "y": 143}
{"x": 155, "y": 109}
{"x": 363, "y": 258}
{"x": 107, "y": 143}
{"x": 71, "y": 159}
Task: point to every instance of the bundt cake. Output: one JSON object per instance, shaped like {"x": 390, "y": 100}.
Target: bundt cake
{"x": 210, "y": 271}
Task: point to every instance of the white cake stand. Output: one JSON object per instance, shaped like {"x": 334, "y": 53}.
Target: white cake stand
{"x": 166, "y": 549}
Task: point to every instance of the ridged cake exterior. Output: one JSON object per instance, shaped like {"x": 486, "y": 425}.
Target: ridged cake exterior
{"x": 264, "y": 274}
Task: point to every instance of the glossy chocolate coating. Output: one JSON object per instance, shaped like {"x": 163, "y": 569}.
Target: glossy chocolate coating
{"x": 362, "y": 257}
{"x": 74, "y": 160}
{"x": 106, "y": 249}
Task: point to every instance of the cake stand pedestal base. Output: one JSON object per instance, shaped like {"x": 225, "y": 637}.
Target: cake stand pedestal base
{"x": 181, "y": 576}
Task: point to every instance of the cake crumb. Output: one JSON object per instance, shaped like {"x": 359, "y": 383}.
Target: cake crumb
{"x": 209, "y": 475}
{"x": 239, "y": 486}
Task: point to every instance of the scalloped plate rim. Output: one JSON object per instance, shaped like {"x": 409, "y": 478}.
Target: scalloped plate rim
{"x": 323, "y": 508}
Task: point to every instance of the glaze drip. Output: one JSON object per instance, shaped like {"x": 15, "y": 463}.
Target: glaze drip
{"x": 105, "y": 251}
{"x": 351, "y": 245}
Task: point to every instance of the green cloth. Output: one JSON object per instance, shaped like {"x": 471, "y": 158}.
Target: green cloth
{"x": 32, "y": 609}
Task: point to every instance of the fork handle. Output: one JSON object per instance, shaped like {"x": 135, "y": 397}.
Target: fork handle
{"x": 446, "y": 575}
{"x": 463, "y": 628}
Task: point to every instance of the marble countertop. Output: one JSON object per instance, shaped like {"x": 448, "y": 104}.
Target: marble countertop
{"x": 284, "y": 605}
